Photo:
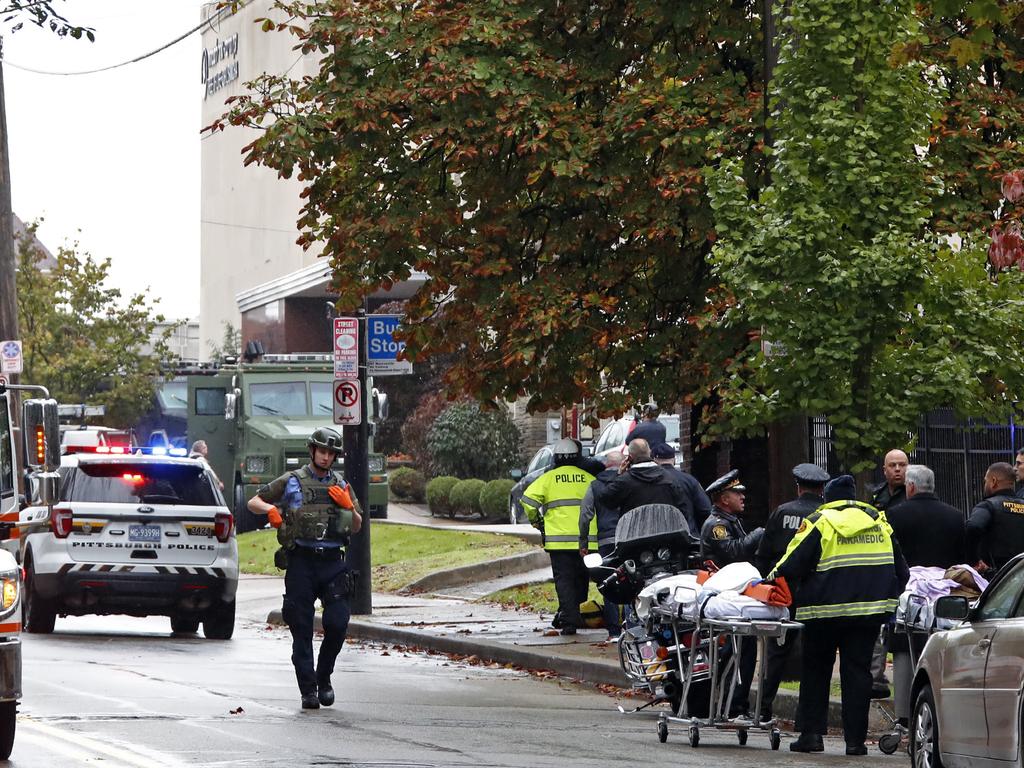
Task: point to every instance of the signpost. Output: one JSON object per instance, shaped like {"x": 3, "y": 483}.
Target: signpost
{"x": 381, "y": 348}
{"x": 346, "y": 348}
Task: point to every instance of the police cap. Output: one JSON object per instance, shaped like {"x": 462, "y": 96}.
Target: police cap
{"x": 730, "y": 481}
{"x": 662, "y": 451}
{"x": 810, "y": 474}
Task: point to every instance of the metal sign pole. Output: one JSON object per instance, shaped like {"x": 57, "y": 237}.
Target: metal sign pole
{"x": 357, "y": 458}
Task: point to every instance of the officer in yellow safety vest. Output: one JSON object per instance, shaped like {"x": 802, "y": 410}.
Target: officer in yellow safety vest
{"x": 850, "y": 572}
{"x": 552, "y": 502}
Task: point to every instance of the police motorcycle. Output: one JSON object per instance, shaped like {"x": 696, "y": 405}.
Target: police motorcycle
{"x": 651, "y": 569}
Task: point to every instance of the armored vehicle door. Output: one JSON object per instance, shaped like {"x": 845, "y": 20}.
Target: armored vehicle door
{"x": 209, "y": 419}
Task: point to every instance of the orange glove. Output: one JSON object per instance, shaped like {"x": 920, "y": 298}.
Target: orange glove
{"x": 340, "y": 496}
{"x": 274, "y": 517}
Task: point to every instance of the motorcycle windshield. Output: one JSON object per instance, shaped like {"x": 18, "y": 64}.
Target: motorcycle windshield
{"x": 652, "y": 525}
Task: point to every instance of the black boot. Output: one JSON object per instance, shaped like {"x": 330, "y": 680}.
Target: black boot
{"x": 807, "y": 742}
{"x": 325, "y": 693}
{"x": 310, "y": 701}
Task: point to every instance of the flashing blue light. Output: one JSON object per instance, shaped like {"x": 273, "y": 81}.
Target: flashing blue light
{"x": 179, "y": 452}
{"x": 157, "y": 450}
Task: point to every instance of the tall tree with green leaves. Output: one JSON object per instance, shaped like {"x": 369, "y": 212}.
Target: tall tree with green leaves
{"x": 83, "y": 339}
{"x": 864, "y": 315}
{"x": 542, "y": 164}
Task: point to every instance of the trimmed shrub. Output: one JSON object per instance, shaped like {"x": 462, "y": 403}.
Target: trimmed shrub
{"x": 465, "y": 496}
{"x": 438, "y": 491}
{"x": 494, "y": 499}
{"x": 408, "y": 483}
{"x": 417, "y": 426}
{"x": 467, "y": 441}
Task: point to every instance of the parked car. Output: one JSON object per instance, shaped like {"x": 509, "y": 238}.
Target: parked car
{"x": 136, "y": 535}
{"x": 613, "y": 436}
{"x": 542, "y": 461}
{"x": 968, "y": 692}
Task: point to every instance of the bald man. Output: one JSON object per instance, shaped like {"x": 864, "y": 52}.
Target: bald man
{"x": 892, "y": 491}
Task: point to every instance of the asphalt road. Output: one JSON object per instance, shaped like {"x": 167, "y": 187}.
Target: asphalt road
{"x": 117, "y": 692}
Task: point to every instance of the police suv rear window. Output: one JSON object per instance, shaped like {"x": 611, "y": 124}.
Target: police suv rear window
{"x": 128, "y": 483}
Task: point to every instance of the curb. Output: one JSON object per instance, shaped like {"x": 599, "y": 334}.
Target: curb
{"x": 584, "y": 670}
{"x": 467, "y": 574}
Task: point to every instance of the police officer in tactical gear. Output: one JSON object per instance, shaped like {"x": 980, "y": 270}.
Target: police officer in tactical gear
{"x": 314, "y": 512}
{"x": 723, "y": 540}
{"x": 782, "y": 525}
{"x": 552, "y": 502}
{"x": 995, "y": 529}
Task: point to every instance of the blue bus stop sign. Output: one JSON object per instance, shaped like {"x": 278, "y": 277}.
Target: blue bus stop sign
{"x": 382, "y": 349}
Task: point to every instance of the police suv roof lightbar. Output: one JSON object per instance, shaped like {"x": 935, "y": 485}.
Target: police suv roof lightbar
{"x": 297, "y": 358}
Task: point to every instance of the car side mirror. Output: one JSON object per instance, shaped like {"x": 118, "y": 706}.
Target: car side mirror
{"x": 953, "y": 607}
{"x": 516, "y": 474}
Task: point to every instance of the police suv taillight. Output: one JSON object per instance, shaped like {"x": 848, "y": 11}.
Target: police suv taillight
{"x": 222, "y": 525}
{"x": 60, "y": 522}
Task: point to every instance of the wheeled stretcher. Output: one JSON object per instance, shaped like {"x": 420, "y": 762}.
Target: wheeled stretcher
{"x": 724, "y": 674}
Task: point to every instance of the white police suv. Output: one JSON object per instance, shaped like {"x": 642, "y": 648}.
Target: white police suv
{"x": 132, "y": 534}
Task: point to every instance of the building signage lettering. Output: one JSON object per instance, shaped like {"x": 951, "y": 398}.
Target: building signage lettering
{"x": 217, "y": 70}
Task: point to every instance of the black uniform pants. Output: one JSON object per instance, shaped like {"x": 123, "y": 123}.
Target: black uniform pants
{"x": 612, "y": 612}
{"x": 572, "y": 583}
{"x": 855, "y": 643}
{"x": 776, "y": 658}
{"x": 309, "y": 577}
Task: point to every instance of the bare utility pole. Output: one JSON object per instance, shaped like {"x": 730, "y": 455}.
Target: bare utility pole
{"x": 8, "y": 260}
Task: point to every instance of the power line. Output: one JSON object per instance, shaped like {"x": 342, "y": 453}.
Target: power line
{"x": 164, "y": 47}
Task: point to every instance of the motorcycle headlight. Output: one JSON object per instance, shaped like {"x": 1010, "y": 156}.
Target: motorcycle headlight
{"x": 257, "y": 465}
{"x": 664, "y": 553}
{"x": 646, "y": 557}
{"x": 10, "y": 592}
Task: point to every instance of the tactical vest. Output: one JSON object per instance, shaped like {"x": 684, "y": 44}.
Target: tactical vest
{"x": 319, "y": 518}
{"x": 1005, "y": 538}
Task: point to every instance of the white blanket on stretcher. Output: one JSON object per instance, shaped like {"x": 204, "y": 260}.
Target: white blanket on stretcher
{"x": 732, "y": 605}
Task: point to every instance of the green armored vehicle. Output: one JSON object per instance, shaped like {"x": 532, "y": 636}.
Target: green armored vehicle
{"x": 255, "y": 418}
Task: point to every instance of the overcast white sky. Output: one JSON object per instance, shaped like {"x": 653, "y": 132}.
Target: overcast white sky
{"x": 112, "y": 159}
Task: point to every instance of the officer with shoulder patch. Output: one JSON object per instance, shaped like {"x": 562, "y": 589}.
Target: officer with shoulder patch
{"x": 781, "y": 528}
{"x": 318, "y": 512}
{"x": 995, "y": 528}
{"x": 723, "y": 539}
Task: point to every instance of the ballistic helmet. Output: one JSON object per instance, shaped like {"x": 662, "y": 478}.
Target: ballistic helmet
{"x": 565, "y": 451}
{"x": 325, "y": 437}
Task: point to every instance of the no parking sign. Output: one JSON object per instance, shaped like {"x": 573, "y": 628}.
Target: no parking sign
{"x": 348, "y": 409}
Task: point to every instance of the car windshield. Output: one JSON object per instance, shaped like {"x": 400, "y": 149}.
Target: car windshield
{"x": 321, "y": 392}
{"x": 280, "y": 398}
{"x": 173, "y": 394}
{"x": 671, "y": 430}
{"x": 142, "y": 483}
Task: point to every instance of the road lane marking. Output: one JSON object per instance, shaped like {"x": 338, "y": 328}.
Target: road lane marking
{"x": 88, "y": 749}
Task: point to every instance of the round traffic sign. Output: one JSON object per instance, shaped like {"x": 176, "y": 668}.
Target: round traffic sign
{"x": 347, "y": 393}
{"x": 11, "y": 349}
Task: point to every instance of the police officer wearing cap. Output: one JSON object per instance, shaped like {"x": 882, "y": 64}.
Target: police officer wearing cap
{"x": 723, "y": 540}
{"x": 782, "y": 525}
{"x": 314, "y": 512}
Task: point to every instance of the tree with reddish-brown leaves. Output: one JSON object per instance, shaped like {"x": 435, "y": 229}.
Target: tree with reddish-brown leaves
{"x": 541, "y": 163}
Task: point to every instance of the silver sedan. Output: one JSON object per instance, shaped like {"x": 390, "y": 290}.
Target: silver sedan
{"x": 968, "y": 686}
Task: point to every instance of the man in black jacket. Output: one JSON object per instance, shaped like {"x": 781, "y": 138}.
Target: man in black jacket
{"x": 930, "y": 533}
{"x": 641, "y": 481}
{"x": 780, "y": 529}
{"x": 1018, "y": 471}
{"x": 995, "y": 529}
{"x": 592, "y": 506}
{"x": 700, "y": 505}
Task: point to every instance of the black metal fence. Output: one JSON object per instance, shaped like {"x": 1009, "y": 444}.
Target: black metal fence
{"x": 957, "y": 450}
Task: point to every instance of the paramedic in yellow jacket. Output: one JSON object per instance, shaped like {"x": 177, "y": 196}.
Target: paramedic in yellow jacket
{"x": 850, "y": 573}
{"x": 552, "y": 502}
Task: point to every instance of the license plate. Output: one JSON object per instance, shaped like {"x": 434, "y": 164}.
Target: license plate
{"x": 143, "y": 533}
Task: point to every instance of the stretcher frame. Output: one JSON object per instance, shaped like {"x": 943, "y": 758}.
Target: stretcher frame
{"x": 917, "y": 637}
{"x": 724, "y": 678}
